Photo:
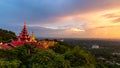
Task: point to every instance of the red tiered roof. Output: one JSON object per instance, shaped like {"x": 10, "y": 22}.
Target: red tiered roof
{"x": 5, "y": 46}
{"x": 17, "y": 43}
{"x": 24, "y": 35}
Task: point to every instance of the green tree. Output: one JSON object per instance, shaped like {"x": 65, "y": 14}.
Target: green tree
{"x": 80, "y": 58}
{"x": 6, "y": 36}
{"x": 29, "y": 57}
{"x": 61, "y": 49}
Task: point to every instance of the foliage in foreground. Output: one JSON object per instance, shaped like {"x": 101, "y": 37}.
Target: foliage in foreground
{"x": 59, "y": 56}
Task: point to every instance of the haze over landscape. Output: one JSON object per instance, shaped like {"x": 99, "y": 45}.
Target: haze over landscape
{"x": 63, "y": 18}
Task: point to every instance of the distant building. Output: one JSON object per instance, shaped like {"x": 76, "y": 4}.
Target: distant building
{"x": 95, "y": 46}
{"x": 62, "y": 40}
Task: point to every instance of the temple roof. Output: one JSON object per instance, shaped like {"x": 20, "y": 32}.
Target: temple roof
{"x": 24, "y": 35}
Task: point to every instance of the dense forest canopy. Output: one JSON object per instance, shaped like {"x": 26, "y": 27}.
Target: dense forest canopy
{"x": 58, "y": 56}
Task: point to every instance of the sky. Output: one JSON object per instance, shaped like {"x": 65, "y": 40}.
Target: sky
{"x": 63, "y": 18}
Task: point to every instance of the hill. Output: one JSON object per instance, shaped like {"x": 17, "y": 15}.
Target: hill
{"x": 6, "y": 36}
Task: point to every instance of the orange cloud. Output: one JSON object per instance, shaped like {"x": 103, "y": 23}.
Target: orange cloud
{"x": 98, "y": 24}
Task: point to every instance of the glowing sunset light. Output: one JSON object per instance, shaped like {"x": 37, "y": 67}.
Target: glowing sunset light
{"x": 77, "y": 30}
{"x": 64, "y": 18}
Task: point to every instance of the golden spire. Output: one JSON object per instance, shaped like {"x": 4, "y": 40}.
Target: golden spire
{"x": 24, "y": 35}
{"x": 33, "y": 37}
{"x": 24, "y": 24}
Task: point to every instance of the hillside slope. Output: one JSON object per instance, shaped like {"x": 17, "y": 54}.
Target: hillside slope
{"x": 6, "y": 36}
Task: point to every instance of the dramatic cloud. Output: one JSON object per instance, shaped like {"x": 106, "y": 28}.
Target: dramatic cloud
{"x": 114, "y": 16}
{"x": 62, "y": 18}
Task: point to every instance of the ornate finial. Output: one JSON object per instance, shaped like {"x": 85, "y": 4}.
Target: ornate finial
{"x": 24, "y": 23}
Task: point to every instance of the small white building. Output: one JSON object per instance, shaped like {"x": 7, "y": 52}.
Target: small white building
{"x": 95, "y": 46}
{"x": 62, "y": 40}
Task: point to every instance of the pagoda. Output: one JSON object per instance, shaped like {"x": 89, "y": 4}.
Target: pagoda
{"x": 24, "y": 38}
{"x": 32, "y": 38}
{"x": 24, "y": 35}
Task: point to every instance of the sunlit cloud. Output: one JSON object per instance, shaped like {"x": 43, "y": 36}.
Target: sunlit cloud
{"x": 90, "y": 25}
{"x": 63, "y": 18}
{"x": 77, "y": 30}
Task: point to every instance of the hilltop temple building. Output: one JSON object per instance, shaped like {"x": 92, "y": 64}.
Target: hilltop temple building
{"x": 24, "y": 37}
